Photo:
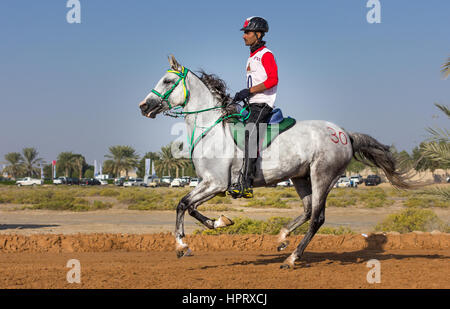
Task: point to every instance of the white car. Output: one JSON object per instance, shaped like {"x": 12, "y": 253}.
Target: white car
{"x": 58, "y": 181}
{"x": 357, "y": 179}
{"x": 194, "y": 182}
{"x": 133, "y": 183}
{"x": 166, "y": 179}
{"x": 343, "y": 182}
{"x": 28, "y": 181}
{"x": 177, "y": 182}
{"x": 103, "y": 182}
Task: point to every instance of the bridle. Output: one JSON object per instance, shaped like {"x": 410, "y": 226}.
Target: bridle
{"x": 165, "y": 98}
{"x": 182, "y": 78}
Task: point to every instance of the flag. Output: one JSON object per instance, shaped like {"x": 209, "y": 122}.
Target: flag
{"x": 147, "y": 167}
{"x": 95, "y": 169}
{"x": 100, "y": 167}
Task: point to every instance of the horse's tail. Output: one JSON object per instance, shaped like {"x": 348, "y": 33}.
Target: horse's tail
{"x": 369, "y": 151}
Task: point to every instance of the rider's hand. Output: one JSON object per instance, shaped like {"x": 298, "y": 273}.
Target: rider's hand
{"x": 241, "y": 95}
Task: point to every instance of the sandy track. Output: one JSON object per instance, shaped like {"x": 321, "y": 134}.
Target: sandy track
{"x": 415, "y": 260}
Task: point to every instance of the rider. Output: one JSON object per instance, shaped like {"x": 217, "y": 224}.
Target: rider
{"x": 261, "y": 91}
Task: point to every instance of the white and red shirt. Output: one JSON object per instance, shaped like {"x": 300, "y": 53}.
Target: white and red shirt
{"x": 262, "y": 68}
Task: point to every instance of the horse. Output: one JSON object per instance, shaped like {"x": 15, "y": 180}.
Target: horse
{"x": 312, "y": 153}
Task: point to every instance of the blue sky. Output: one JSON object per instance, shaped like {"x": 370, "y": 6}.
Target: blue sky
{"x": 76, "y": 87}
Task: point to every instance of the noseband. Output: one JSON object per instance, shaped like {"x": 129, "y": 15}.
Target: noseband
{"x": 165, "y": 97}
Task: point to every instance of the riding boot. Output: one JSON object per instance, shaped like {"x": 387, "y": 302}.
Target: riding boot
{"x": 245, "y": 182}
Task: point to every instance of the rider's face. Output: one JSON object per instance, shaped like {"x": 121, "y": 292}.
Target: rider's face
{"x": 250, "y": 37}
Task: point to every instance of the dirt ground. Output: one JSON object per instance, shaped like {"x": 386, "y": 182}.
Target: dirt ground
{"x": 415, "y": 260}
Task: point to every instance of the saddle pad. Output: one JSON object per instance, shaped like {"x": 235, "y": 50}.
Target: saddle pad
{"x": 237, "y": 129}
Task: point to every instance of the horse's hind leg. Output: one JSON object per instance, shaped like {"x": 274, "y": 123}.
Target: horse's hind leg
{"x": 303, "y": 188}
{"x": 321, "y": 184}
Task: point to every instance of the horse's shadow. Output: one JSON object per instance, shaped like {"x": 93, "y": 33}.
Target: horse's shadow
{"x": 24, "y": 226}
{"x": 374, "y": 250}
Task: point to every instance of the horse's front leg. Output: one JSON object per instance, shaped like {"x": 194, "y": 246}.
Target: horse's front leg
{"x": 205, "y": 191}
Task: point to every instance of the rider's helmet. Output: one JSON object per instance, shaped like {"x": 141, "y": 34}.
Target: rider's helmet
{"x": 255, "y": 23}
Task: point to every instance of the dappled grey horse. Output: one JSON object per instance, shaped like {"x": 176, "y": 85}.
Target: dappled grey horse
{"x": 313, "y": 154}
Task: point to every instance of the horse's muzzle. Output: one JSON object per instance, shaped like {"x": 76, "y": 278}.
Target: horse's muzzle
{"x": 150, "y": 109}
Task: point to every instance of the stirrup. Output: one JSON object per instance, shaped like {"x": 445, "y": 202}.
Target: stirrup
{"x": 238, "y": 191}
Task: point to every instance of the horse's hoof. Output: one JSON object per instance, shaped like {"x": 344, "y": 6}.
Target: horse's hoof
{"x": 285, "y": 266}
{"x": 223, "y": 222}
{"x": 184, "y": 252}
{"x": 283, "y": 246}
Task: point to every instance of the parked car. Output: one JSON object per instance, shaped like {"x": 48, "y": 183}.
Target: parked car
{"x": 154, "y": 182}
{"x": 186, "y": 179}
{"x": 357, "y": 179}
{"x": 134, "y": 182}
{"x": 72, "y": 181}
{"x": 343, "y": 182}
{"x": 89, "y": 182}
{"x": 194, "y": 182}
{"x": 177, "y": 182}
{"x": 119, "y": 181}
{"x": 59, "y": 181}
{"x": 28, "y": 181}
{"x": 103, "y": 182}
{"x": 372, "y": 180}
{"x": 167, "y": 180}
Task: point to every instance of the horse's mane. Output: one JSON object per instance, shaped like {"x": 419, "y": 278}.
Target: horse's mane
{"x": 218, "y": 88}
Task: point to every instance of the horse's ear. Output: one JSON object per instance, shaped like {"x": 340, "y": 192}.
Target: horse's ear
{"x": 174, "y": 63}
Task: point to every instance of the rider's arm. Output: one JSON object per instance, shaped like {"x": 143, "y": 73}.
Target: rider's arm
{"x": 270, "y": 66}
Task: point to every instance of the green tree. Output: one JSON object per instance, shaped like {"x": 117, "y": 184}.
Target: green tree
{"x": 405, "y": 160}
{"x": 124, "y": 158}
{"x": 108, "y": 167}
{"x": 15, "y": 161}
{"x": 48, "y": 171}
{"x": 31, "y": 161}
{"x": 89, "y": 173}
{"x": 153, "y": 156}
{"x": 355, "y": 166}
{"x": 446, "y": 68}
{"x": 79, "y": 162}
{"x": 65, "y": 163}
{"x": 167, "y": 162}
{"x": 437, "y": 147}
{"x": 421, "y": 162}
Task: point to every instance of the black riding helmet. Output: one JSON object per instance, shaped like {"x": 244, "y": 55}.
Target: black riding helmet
{"x": 257, "y": 24}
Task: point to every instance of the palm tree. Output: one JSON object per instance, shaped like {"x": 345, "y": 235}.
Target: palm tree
{"x": 124, "y": 158}
{"x": 446, "y": 69}
{"x": 182, "y": 163}
{"x": 167, "y": 161}
{"x": 65, "y": 162}
{"x": 31, "y": 161}
{"x": 437, "y": 148}
{"x": 79, "y": 162}
{"x": 108, "y": 167}
{"x": 15, "y": 166}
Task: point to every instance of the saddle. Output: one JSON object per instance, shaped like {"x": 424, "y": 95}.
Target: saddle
{"x": 277, "y": 125}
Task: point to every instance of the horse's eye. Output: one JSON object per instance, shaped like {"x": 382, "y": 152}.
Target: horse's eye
{"x": 167, "y": 81}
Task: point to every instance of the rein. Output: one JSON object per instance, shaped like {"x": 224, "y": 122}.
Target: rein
{"x": 165, "y": 98}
